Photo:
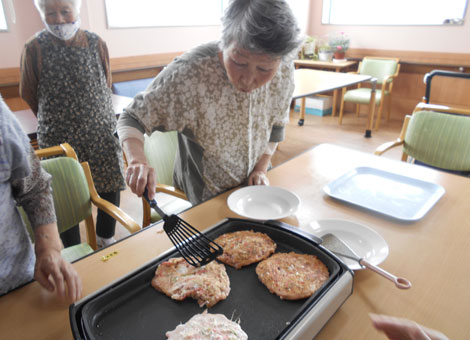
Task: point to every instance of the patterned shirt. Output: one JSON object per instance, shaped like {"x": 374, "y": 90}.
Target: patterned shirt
{"x": 223, "y": 132}
{"x": 23, "y": 183}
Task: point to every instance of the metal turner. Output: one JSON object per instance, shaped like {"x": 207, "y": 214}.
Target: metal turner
{"x": 194, "y": 246}
{"x": 340, "y": 248}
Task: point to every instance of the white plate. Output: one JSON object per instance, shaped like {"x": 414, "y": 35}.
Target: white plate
{"x": 261, "y": 202}
{"x": 366, "y": 242}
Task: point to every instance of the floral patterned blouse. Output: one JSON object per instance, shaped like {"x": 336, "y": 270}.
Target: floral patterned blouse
{"x": 223, "y": 132}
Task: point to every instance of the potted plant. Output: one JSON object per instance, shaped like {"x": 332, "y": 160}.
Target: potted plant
{"x": 325, "y": 52}
{"x": 340, "y": 44}
{"x": 308, "y": 49}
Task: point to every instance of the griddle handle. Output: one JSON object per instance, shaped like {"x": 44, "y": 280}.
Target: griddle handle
{"x": 294, "y": 230}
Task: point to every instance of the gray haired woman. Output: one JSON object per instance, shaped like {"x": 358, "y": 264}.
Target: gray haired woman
{"x": 66, "y": 80}
{"x": 229, "y": 101}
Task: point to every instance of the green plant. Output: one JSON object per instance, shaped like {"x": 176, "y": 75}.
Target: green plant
{"x": 323, "y": 46}
{"x": 339, "y": 42}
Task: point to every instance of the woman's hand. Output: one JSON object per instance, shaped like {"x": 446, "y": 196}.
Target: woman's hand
{"x": 139, "y": 174}
{"x": 258, "y": 178}
{"x": 51, "y": 270}
{"x": 404, "y": 329}
{"x": 258, "y": 175}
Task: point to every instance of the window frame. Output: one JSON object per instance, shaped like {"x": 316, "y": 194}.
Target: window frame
{"x": 326, "y": 17}
{"x": 3, "y": 9}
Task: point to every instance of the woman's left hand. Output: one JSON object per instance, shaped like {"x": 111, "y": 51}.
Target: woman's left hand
{"x": 56, "y": 274}
{"x": 258, "y": 177}
{"x": 51, "y": 270}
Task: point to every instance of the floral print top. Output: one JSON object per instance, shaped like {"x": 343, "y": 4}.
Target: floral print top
{"x": 222, "y": 131}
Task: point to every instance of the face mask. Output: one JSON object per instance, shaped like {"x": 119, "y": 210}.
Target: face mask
{"x": 64, "y": 31}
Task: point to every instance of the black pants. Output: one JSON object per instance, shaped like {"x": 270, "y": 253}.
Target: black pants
{"x": 105, "y": 224}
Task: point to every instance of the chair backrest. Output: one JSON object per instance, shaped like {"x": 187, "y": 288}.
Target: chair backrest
{"x": 439, "y": 139}
{"x": 379, "y": 68}
{"x": 71, "y": 194}
{"x": 160, "y": 149}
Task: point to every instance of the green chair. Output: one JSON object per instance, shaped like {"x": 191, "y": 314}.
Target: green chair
{"x": 74, "y": 194}
{"x": 160, "y": 150}
{"x": 385, "y": 70}
{"x": 437, "y": 136}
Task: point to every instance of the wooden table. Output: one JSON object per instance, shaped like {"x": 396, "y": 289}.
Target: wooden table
{"x": 326, "y": 65}
{"x": 29, "y": 121}
{"x": 309, "y": 82}
{"x": 316, "y": 64}
{"x": 432, "y": 253}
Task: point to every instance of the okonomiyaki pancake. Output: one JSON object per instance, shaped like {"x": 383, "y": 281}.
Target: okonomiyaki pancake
{"x": 177, "y": 279}
{"x": 242, "y": 248}
{"x": 292, "y": 276}
{"x": 207, "y": 326}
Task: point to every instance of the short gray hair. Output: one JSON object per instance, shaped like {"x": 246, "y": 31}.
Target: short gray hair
{"x": 261, "y": 26}
{"x": 41, "y": 5}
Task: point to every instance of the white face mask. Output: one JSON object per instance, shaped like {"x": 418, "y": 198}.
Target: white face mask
{"x": 64, "y": 31}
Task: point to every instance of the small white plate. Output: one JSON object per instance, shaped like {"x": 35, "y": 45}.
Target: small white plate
{"x": 261, "y": 202}
{"x": 366, "y": 242}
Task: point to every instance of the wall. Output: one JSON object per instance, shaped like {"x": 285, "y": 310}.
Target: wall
{"x": 449, "y": 39}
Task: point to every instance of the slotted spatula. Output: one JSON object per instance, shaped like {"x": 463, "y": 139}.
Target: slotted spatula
{"x": 196, "y": 248}
{"x": 339, "y": 247}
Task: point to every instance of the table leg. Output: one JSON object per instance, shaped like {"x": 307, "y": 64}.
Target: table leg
{"x": 370, "y": 115}
{"x": 302, "y": 111}
{"x": 335, "y": 96}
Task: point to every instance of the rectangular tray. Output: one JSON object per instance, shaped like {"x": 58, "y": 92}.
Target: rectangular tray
{"x": 132, "y": 309}
{"x": 391, "y": 194}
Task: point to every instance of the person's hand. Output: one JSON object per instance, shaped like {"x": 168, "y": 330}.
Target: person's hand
{"x": 404, "y": 329}
{"x": 140, "y": 176}
{"x": 258, "y": 177}
{"x": 55, "y": 274}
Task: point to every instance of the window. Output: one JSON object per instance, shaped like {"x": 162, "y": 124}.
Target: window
{"x": 3, "y": 19}
{"x": 161, "y": 13}
{"x": 167, "y": 13}
{"x": 397, "y": 12}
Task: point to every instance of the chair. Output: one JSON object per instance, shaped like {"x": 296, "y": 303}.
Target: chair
{"x": 385, "y": 70}
{"x": 74, "y": 193}
{"x": 160, "y": 149}
{"x": 437, "y": 136}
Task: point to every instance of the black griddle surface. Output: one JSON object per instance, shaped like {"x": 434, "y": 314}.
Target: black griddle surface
{"x": 133, "y": 309}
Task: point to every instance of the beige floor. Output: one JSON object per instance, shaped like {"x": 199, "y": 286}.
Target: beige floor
{"x": 315, "y": 131}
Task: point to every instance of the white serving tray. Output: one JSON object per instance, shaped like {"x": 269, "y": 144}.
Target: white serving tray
{"x": 391, "y": 194}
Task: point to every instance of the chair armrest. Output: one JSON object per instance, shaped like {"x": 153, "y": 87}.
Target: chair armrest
{"x": 114, "y": 211}
{"x": 62, "y": 149}
{"x": 387, "y": 146}
{"x": 397, "y": 142}
{"x": 170, "y": 190}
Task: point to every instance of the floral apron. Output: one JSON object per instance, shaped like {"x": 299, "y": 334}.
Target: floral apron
{"x": 75, "y": 106}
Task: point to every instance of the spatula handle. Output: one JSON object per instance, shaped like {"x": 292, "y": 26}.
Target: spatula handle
{"x": 400, "y": 282}
{"x": 153, "y": 204}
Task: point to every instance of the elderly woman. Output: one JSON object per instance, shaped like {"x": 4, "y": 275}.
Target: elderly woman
{"x": 24, "y": 183}
{"x": 228, "y": 100}
{"x": 65, "y": 79}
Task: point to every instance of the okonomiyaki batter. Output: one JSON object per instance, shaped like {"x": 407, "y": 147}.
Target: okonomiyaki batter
{"x": 242, "y": 248}
{"x": 207, "y": 326}
{"x": 177, "y": 279}
{"x": 292, "y": 276}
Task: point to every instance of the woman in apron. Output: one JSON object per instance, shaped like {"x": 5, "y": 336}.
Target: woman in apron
{"x": 65, "y": 79}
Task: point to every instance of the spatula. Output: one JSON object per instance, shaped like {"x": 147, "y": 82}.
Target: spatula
{"x": 339, "y": 247}
{"x": 196, "y": 248}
